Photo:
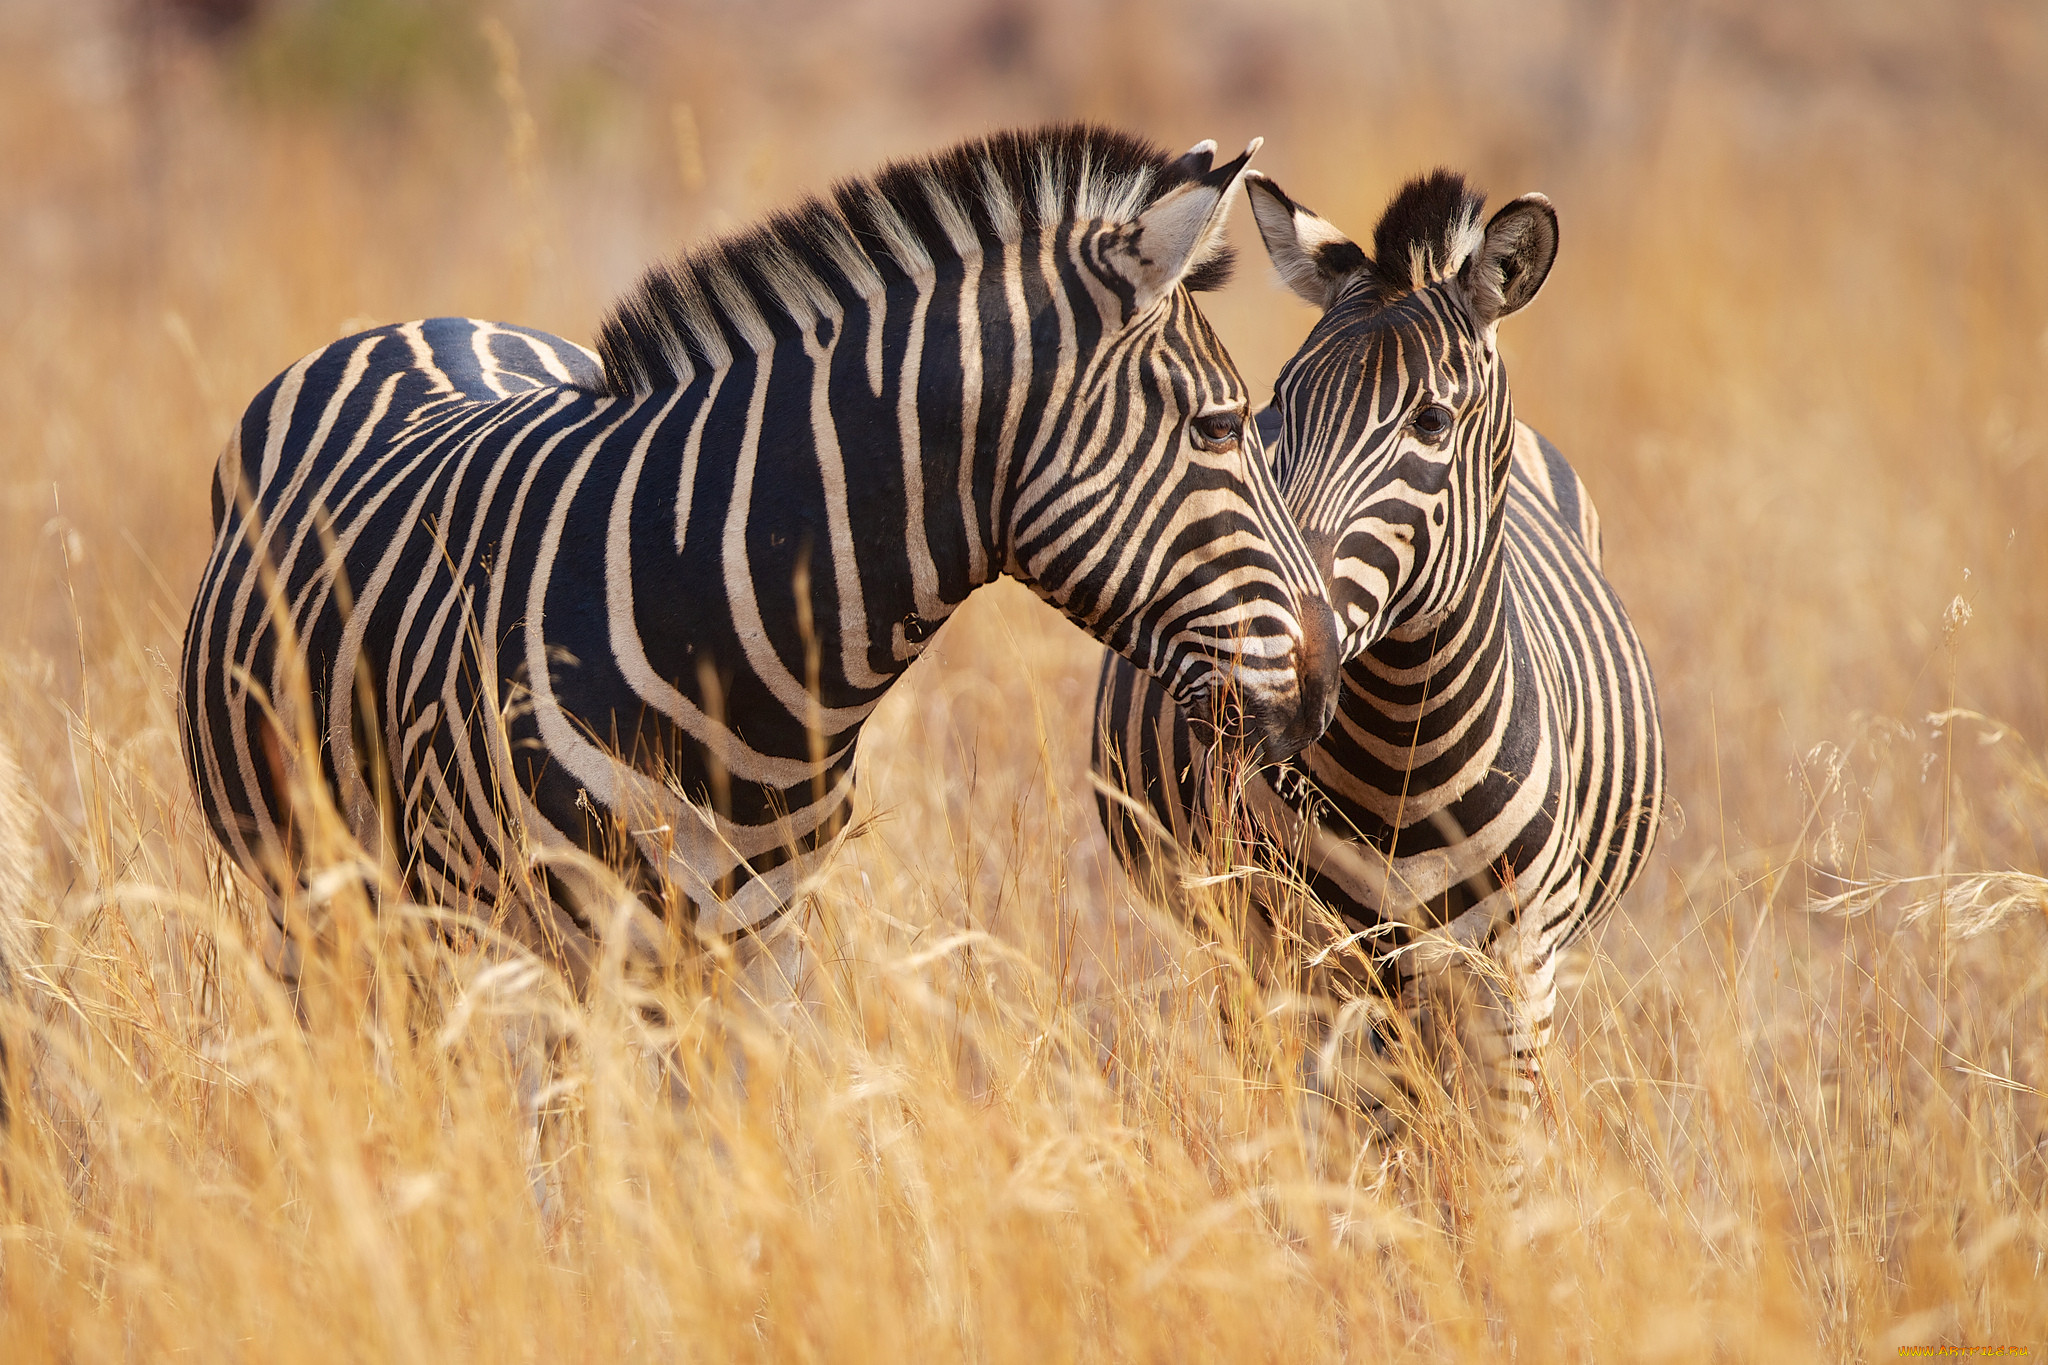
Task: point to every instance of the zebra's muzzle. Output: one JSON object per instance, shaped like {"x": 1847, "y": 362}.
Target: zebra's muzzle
{"x": 1317, "y": 659}
{"x": 1267, "y": 726}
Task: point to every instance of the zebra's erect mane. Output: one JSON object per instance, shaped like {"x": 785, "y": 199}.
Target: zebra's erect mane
{"x": 739, "y": 290}
{"x": 1427, "y": 233}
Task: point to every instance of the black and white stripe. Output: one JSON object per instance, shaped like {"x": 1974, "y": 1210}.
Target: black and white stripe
{"x": 641, "y": 605}
{"x": 1493, "y": 777}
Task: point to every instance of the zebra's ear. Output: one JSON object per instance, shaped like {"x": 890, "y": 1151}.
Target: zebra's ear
{"x": 1313, "y": 257}
{"x": 1196, "y": 161}
{"x": 1183, "y": 230}
{"x": 1515, "y": 259}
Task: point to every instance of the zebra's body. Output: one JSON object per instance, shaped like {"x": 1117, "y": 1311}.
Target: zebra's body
{"x": 640, "y": 607}
{"x": 1492, "y": 780}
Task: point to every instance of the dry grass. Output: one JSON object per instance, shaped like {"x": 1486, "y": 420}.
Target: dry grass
{"x": 1796, "y": 342}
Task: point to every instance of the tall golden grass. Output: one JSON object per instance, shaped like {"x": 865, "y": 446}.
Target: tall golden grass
{"x": 1797, "y": 344}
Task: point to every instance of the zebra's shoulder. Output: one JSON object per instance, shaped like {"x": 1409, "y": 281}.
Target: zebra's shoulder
{"x": 1542, "y": 469}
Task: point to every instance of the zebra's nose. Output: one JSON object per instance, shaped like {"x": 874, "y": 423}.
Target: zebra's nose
{"x": 1270, "y": 726}
{"x": 1283, "y": 730}
{"x": 1316, "y": 661}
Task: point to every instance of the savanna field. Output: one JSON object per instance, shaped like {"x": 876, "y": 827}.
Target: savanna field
{"x": 1796, "y": 343}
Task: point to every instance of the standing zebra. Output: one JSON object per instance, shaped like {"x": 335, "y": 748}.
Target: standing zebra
{"x": 640, "y": 606}
{"x": 1493, "y": 777}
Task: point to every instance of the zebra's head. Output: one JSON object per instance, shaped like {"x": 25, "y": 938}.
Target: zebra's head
{"x": 1396, "y": 426}
{"x": 1145, "y": 510}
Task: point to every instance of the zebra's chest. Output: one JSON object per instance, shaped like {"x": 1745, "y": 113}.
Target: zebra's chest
{"x": 1475, "y": 789}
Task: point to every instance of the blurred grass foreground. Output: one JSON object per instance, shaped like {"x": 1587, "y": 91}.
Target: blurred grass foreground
{"x": 1796, "y": 343}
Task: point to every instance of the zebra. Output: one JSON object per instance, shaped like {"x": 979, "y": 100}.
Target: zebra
{"x": 523, "y": 600}
{"x": 1493, "y": 778}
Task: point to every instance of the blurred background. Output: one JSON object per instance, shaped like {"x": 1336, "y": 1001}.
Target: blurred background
{"x": 1796, "y": 343}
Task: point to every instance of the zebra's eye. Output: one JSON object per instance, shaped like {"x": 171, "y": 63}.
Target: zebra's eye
{"x": 1432, "y": 422}
{"x": 1218, "y": 431}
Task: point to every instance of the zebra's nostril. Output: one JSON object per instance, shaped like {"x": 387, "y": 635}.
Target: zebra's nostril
{"x": 1316, "y": 657}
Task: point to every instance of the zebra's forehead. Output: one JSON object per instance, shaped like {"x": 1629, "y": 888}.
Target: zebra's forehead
{"x": 1182, "y": 327}
{"x": 1173, "y": 353}
{"x": 1423, "y": 339}
{"x": 1436, "y": 313}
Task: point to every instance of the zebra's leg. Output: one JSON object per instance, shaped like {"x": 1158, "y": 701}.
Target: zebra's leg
{"x": 1438, "y": 1061}
{"x": 282, "y": 950}
{"x": 1365, "y": 1079}
{"x": 1361, "y": 1091}
{"x": 1525, "y": 1021}
{"x": 1412, "y": 1073}
{"x": 1483, "y": 1016}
